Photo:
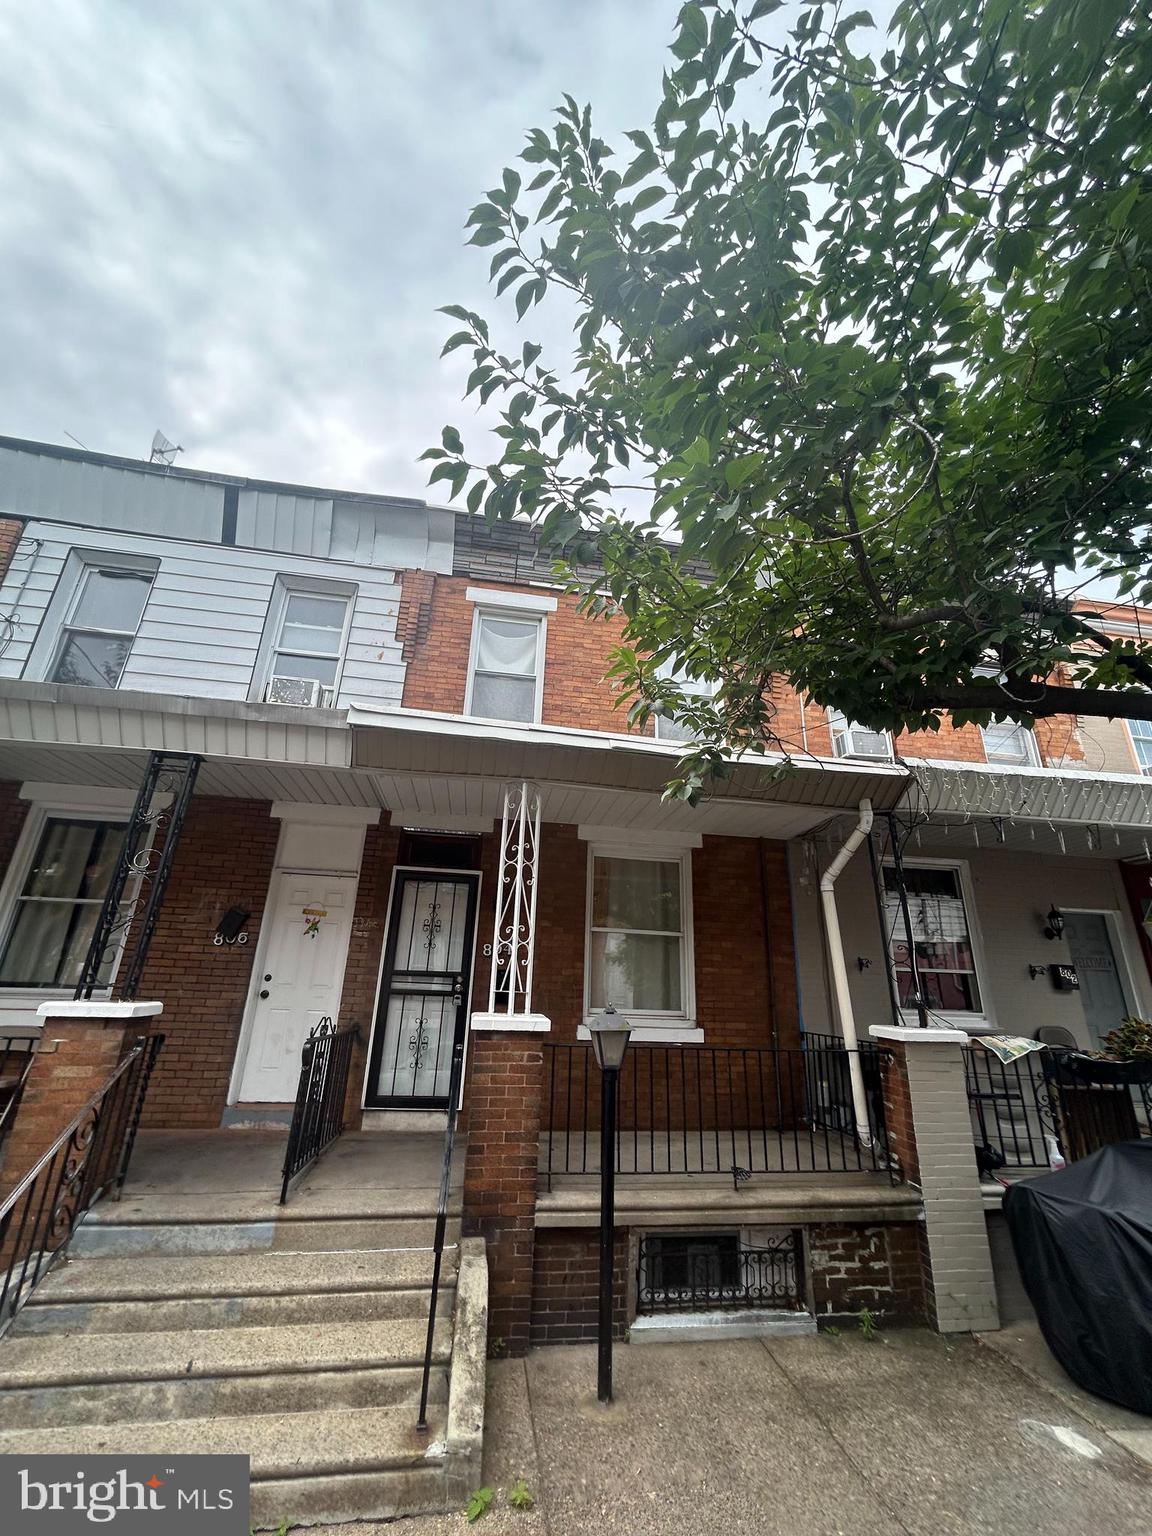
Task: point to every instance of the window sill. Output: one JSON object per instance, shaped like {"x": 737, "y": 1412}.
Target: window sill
{"x": 657, "y": 1034}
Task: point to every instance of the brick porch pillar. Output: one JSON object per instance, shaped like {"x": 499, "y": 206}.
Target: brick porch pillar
{"x": 80, "y": 1045}
{"x": 930, "y": 1132}
{"x": 504, "y": 1105}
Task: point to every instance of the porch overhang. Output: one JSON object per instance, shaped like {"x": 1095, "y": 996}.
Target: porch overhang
{"x": 425, "y": 761}
{"x": 428, "y": 770}
{"x": 1043, "y": 810}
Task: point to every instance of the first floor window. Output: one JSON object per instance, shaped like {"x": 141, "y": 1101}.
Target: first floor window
{"x": 1141, "y": 734}
{"x": 637, "y": 940}
{"x": 100, "y": 626}
{"x": 59, "y": 902}
{"x": 852, "y": 740}
{"x": 308, "y": 649}
{"x": 940, "y": 932}
{"x": 1007, "y": 742}
{"x": 507, "y": 667}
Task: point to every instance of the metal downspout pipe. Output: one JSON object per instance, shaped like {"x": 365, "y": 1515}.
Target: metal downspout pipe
{"x": 840, "y": 971}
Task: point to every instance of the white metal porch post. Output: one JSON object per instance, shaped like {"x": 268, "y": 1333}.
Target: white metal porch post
{"x": 514, "y": 927}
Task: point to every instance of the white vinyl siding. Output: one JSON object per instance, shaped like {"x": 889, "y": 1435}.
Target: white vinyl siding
{"x": 201, "y": 630}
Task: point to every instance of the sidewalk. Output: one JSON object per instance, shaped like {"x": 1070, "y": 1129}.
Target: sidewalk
{"x": 907, "y": 1435}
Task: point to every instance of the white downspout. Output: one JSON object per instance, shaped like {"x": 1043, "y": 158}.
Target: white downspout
{"x": 840, "y": 971}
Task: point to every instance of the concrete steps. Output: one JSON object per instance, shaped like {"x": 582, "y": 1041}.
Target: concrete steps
{"x": 179, "y": 1324}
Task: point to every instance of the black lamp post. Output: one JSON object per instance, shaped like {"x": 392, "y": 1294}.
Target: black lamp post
{"x": 609, "y": 1041}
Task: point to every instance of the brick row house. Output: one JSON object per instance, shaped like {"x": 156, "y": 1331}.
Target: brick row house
{"x": 419, "y": 811}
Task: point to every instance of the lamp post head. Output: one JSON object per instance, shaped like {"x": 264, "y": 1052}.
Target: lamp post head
{"x": 609, "y": 1034}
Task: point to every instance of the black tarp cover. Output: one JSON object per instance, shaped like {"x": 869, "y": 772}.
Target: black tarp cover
{"x": 1083, "y": 1240}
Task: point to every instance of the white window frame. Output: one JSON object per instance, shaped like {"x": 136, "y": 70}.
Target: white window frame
{"x": 693, "y": 687}
{"x": 842, "y": 728}
{"x": 55, "y": 627}
{"x": 677, "y": 1022}
{"x": 959, "y": 1018}
{"x": 1032, "y": 755}
{"x": 287, "y": 586}
{"x": 522, "y": 613}
{"x": 60, "y": 803}
{"x": 1134, "y": 741}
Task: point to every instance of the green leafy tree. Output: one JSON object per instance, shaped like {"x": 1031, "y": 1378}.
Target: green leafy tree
{"x": 862, "y": 379}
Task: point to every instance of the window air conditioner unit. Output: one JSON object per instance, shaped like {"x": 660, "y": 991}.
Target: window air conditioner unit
{"x": 294, "y": 690}
{"x": 855, "y": 741}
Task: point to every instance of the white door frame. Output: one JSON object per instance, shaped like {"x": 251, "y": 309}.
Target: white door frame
{"x": 422, "y": 869}
{"x": 1133, "y": 998}
{"x": 271, "y": 903}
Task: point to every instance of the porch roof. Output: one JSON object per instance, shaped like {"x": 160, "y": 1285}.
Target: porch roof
{"x": 1044, "y": 809}
{"x": 428, "y": 770}
{"x": 406, "y": 742}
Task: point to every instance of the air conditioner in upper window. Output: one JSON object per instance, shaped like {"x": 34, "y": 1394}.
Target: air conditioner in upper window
{"x": 305, "y": 691}
{"x": 855, "y": 741}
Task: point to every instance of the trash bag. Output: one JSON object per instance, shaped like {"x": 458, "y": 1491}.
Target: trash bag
{"x": 1083, "y": 1240}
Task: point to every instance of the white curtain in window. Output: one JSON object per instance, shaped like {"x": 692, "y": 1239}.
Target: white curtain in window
{"x": 507, "y": 645}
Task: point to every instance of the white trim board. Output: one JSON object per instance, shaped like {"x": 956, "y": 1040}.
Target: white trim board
{"x": 526, "y": 602}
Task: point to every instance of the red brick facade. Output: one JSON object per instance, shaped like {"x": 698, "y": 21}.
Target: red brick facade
{"x": 10, "y": 530}
{"x": 224, "y": 860}
{"x": 435, "y": 626}
{"x": 878, "y": 1268}
{"x": 566, "y": 1285}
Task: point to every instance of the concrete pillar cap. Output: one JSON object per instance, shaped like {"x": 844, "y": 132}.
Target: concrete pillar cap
{"x": 936, "y": 1035}
{"x": 95, "y": 1009}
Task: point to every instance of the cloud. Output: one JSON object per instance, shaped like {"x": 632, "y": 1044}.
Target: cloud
{"x": 235, "y": 222}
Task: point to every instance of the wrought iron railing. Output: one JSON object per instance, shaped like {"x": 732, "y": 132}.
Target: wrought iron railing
{"x": 131, "y": 907}
{"x": 705, "y": 1272}
{"x": 1012, "y": 1123}
{"x": 441, "y": 1225}
{"x": 727, "y": 1110}
{"x": 16, "y": 1053}
{"x": 318, "y": 1116}
{"x": 88, "y": 1159}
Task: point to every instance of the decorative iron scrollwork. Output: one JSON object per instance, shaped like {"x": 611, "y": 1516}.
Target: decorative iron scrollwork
{"x": 141, "y": 876}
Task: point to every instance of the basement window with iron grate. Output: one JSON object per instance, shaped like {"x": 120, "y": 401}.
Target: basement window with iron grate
{"x": 707, "y": 1271}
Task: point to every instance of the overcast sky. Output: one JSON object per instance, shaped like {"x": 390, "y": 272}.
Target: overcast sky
{"x": 234, "y": 219}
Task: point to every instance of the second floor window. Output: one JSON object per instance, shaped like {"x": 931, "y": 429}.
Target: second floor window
{"x": 507, "y": 672}
{"x": 852, "y": 740}
{"x": 667, "y": 727}
{"x": 100, "y": 626}
{"x": 1009, "y": 743}
{"x": 637, "y": 954}
{"x": 1141, "y": 734}
{"x": 308, "y": 648}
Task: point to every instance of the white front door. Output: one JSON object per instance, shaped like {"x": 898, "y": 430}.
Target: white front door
{"x": 299, "y": 982}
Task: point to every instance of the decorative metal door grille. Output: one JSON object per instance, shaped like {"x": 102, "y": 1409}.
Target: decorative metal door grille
{"x": 710, "y": 1271}
{"x": 424, "y": 988}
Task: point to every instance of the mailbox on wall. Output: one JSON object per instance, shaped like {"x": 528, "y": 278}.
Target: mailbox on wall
{"x": 1064, "y": 978}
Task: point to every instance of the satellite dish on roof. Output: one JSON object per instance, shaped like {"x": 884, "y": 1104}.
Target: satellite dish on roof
{"x": 163, "y": 452}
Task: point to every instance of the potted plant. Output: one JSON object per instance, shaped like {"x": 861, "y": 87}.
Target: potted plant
{"x": 1091, "y": 1091}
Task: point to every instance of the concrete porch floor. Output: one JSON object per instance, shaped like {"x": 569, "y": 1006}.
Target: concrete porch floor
{"x": 229, "y": 1172}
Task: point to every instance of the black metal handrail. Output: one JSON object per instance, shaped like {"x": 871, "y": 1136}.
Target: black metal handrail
{"x": 1012, "y": 1122}
{"x": 16, "y": 1056}
{"x": 441, "y": 1224}
{"x": 701, "y": 1109}
{"x": 89, "y": 1158}
{"x": 318, "y": 1116}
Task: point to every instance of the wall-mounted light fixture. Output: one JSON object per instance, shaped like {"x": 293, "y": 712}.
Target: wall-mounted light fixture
{"x": 1036, "y": 971}
{"x": 1055, "y": 927}
{"x": 863, "y": 963}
